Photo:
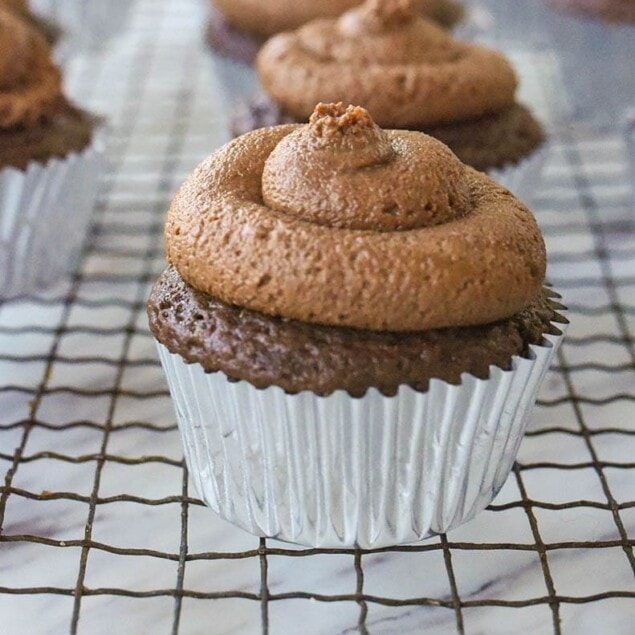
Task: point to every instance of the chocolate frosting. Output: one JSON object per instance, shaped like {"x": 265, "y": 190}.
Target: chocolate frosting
{"x": 30, "y": 83}
{"x": 406, "y": 70}
{"x": 431, "y": 244}
{"x": 269, "y": 17}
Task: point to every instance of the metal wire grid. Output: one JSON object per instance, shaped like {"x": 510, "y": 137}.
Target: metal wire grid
{"x": 90, "y": 378}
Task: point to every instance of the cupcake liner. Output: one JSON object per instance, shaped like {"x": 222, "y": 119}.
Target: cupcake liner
{"x": 523, "y": 178}
{"x": 44, "y": 215}
{"x": 339, "y": 471}
{"x": 596, "y": 60}
{"x": 88, "y": 23}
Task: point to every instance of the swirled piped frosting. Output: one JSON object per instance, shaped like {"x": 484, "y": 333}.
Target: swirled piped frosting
{"x": 406, "y": 70}
{"x": 338, "y": 222}
{"x": 273, "y": 16}
{"x": 30, "y": 83}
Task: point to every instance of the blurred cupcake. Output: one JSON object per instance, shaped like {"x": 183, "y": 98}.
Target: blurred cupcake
{"x": 50, "y": 155}
{"x": 410, "y": 74}
{"x": 595, "y": 41}
{"x": 237, "y": 28}
{"x": 354, "y": 328}
{"x": 20, "y": 8}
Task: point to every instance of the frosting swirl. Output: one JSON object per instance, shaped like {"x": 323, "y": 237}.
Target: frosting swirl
{"x": 342, "y": 170}
{"x": 30, "y": 83}
{"x": 274, "y": 16}
{"x": 406, "y": 70}
{"x": 241, "y": 231}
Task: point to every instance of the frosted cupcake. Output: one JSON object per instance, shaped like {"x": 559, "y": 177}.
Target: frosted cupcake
{"x": 237, "y": 28}
{"x": 353, "y": 327}
{"x": 50, "y": 156}
{"x": 410, "y": 74}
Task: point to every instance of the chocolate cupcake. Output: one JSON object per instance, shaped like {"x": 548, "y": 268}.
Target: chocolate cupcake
{"x": 353, "y": 327}
{"x": 410, "y": 74}
{"x": 50, "y": 155}
{"x": 237, "y": 28}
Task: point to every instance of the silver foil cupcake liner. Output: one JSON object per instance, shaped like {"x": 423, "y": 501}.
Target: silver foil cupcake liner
{"x": 523, "y": 178}
{"x": 339, "y": 471}
{"x": 44, "y": 215}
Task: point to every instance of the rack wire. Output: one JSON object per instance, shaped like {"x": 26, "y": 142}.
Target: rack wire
{"x": 98, "y": 524}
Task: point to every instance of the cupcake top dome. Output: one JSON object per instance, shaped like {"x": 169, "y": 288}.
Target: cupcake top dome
{"x": 273, "y": 16}
{"x": 30, "y": 83}
{"x": 382, "y": 54}
{"x": 339, "y": 222}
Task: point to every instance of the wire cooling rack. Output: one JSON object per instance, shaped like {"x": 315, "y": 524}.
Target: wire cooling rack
{"x": 99, "y": 529}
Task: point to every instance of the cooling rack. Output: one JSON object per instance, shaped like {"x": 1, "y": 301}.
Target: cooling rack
{"x": 99, "y": 528}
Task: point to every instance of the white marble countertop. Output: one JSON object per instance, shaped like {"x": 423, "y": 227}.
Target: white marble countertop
{"x": 98, "y": 528}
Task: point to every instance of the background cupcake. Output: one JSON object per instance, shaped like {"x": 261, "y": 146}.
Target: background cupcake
{"x": 238, "y": 28}
{"x": 340, "y": 381}
{"x": 50, "y": 155}
{"x": 410, "y": 74}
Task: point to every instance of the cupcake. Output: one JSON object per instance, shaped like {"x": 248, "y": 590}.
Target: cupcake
{"x": 595, "y": 43}
{"x": 237, "y": 28}
{"x": 50, "y": 154}
{"x": 410, "y": 74}
{"x": 21, "y": 9}
{"x": 353, "y": 325}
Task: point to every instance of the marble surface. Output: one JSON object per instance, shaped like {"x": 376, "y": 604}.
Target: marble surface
{"x": 84, "y": 408}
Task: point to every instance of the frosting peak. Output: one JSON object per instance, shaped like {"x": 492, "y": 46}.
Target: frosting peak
{"x": 343, "y": 171}
{"x": 331, "y": 120}
{"x": 381, "y": 15}
{"x": 347, "y": 138}
{"x": 30, "y": 84}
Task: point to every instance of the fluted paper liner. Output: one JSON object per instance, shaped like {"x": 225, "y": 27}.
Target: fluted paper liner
{"x": 339, "y": 471}
{"x": 44, "y": 215}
